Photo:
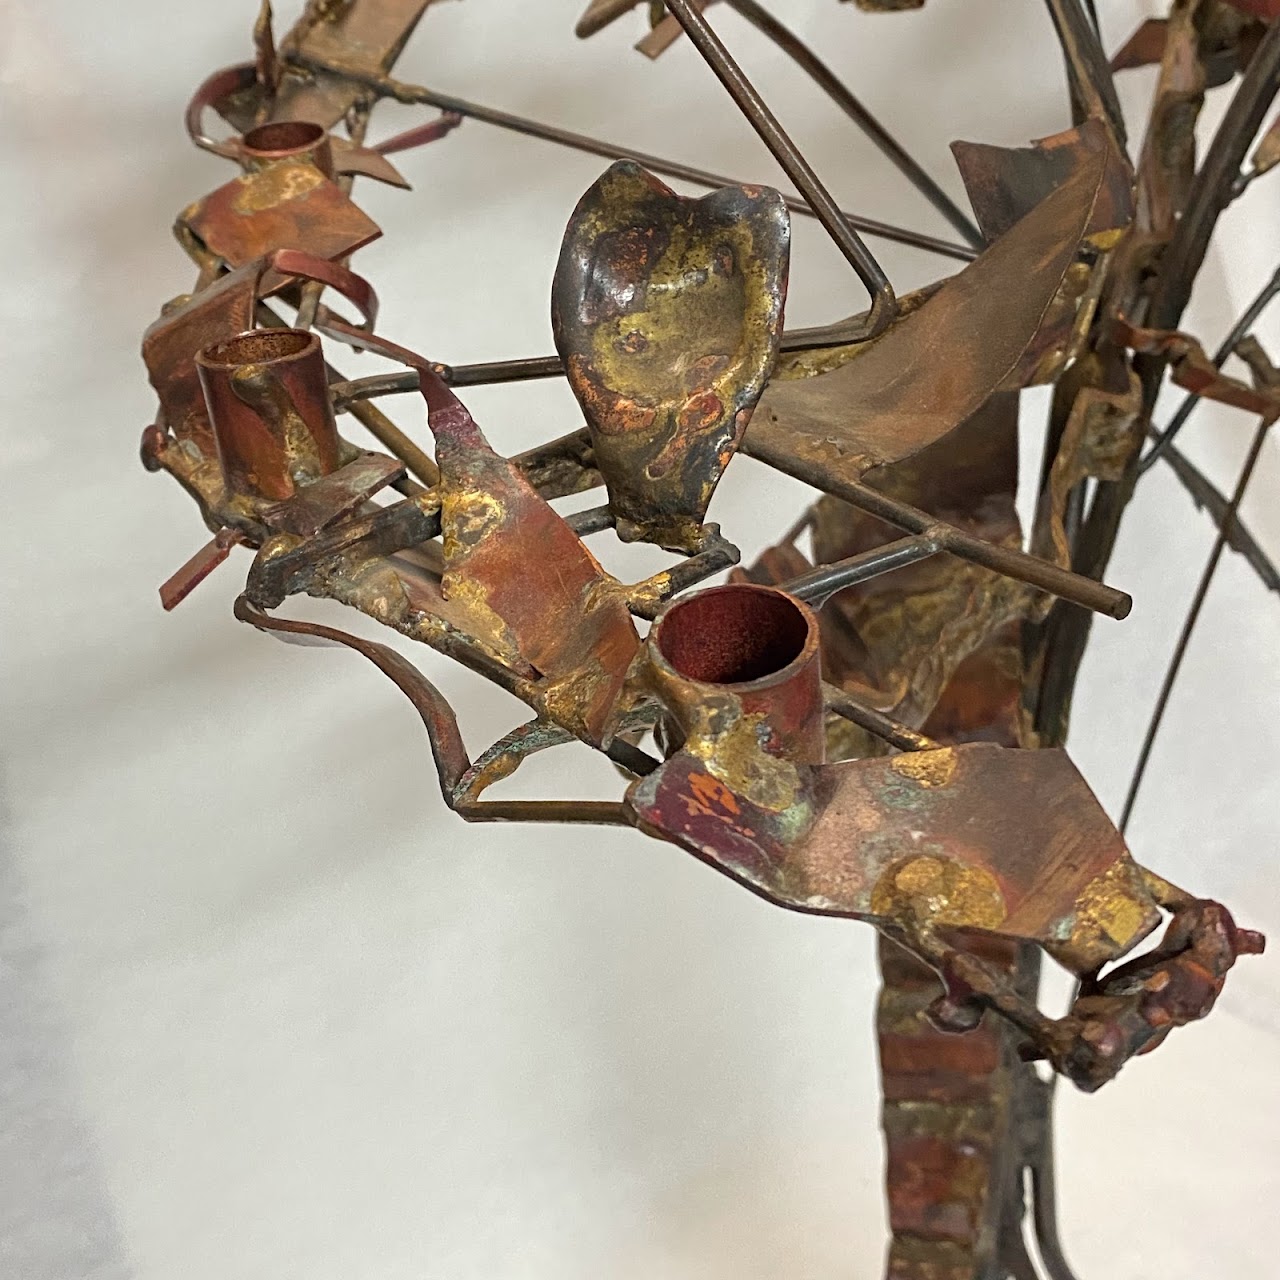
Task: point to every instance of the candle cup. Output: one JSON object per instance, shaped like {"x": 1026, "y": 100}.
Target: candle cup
{"x": 297, "y": 140}
{"x": 268, "y": 399}
{"x": 753, "y": 645}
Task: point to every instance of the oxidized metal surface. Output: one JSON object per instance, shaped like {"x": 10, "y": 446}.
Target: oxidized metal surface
{"x": 213, "y": 314}
{"x": 1006, "y": 183}
{"x": 996, "y": 338}
{"x": 925, "y": 641}
{"x": 737, "y": 669}
{"x": 925, "y": 791}
{"x": 897, "y": 640}
{"x": 529, "y": 590}
{"x": 288, "y": 204}
{"x": 268, "y": 402}
{"x": 368, "y": 37}
{"x": 924, "y": 841}
{"x": 947, "y": 1120}
{"x": 640, "y": 270}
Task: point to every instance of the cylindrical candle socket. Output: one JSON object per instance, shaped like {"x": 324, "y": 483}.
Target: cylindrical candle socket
{"x": 268, "y": 400}
{"x": 754, "y": 644}
{"x": 287, "y": 140}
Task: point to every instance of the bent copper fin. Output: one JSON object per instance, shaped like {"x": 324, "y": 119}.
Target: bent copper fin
{"x": 990, "y": 327}
{"x": 528, "y": 587}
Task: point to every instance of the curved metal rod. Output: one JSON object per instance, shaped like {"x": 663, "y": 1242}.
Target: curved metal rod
{"x": 1044, "y": 1194}
{"x": 827, "y": 80}
{"x": 220, "y": 85}
{"x": 1193, "y": 615}
{"x": 884, "y": 305}
{"x": 1014, "y": 1259}
{"x": 460, "y": 780}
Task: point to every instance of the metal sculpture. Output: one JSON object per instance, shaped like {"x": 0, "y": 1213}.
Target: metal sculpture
{"x": 872, "y": 730}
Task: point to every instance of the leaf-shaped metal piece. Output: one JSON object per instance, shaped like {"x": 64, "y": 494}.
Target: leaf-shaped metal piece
{"x": 1004, "y": 184}
{"x": 991, "y": 327}
{"x": 667, "y": 313}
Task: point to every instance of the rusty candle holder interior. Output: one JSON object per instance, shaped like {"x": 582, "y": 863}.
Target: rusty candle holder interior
{"x": 925, "y": 790}
{"x": 283, "y": 138}
{"x": 288, "y": 140}
{"x": 267, "y": 347}
{"x": 736, "y": 635}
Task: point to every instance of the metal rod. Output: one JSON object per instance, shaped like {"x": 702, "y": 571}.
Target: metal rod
{"x": 411, "y": 93}
{"x": 1066, "y": 633}
{"x": 479, "y": 375}
{"x": 838, "y": 92}
{"x": 631, "y": 758}
{"x": 420, "y": 135}
{"x": 646, "y": 599}
{"x": 592, "y": 520}
{"x": 1088, "y": 69}
{"x": 1210, "y": 499}
{"x": 1009, "y": 561}
{"x": 1212, "y": 188}
{"x": 352, "y": 391}
{"x": 796, "y": 167}
{"x": 530, "y": 368}
{"x": 525, "y": 369}
{"x": 1044, "y": 1191}
{"x": 817, "y": 586}
{"x": 875, "y": 722}
{"x": 1193, "y": 615}
{"x": 1238, "y": 330}
{"x": 605, "y": 813}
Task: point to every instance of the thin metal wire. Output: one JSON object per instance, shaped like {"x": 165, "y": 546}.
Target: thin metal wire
{"x": 419, "y": 94}
{"x": 1208, "y": 498}
{"x": 1193, "y": 615}
{"x": 839, "y": 93}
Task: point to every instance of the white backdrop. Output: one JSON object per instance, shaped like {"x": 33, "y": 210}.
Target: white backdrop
{"x": 266, "y": 1009}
